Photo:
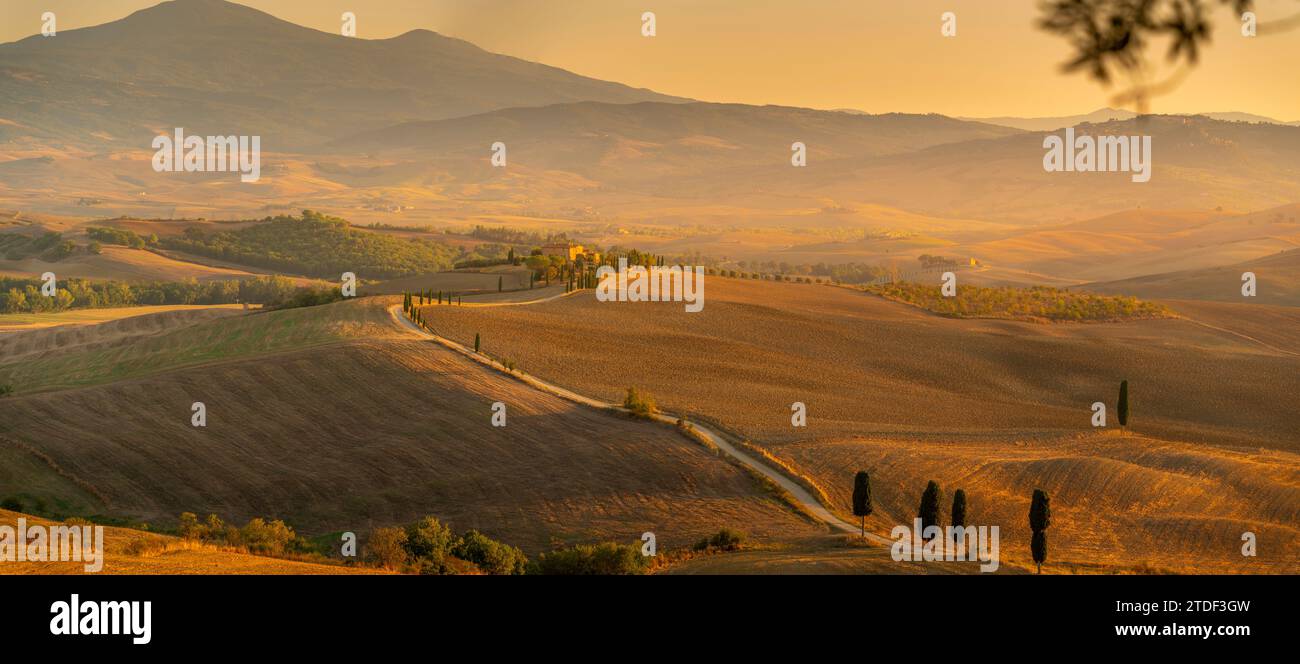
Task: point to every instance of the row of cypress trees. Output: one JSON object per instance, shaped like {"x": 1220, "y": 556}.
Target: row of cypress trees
{"x": 1040, "y": 511}
{"x": 409, "y": 299}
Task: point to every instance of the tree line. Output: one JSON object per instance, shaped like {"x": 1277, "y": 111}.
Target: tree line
{"x": 322, "y": 246}
{"x": 24, "y": 295}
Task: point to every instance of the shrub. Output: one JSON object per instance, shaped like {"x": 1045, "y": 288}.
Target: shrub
{"x": 638, "y": 404}
{"x": 12, "y": 504}
{"x": 6, "y": 390}
{"x": 387, "y": 547}
{"x": 606, "y": 559}
{"x": 272, "y": 537}
{"x": 429, "y": 540}
{"x": 489, "y": 555}
{"x": 723, "y": 540}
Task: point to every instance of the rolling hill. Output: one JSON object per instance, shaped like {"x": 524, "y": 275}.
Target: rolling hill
{"x": 217, "y": 67}
{"x": 363, "y": 432}
{"x": 996, "y": 407}
{"x": 1278, "y": 279}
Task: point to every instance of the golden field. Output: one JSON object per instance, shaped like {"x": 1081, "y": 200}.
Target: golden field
{"x": 356, "y": 434}
{"x": 995, "y": 407}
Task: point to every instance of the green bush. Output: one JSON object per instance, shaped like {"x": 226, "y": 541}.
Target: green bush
{"x": 605, "y": 559}
{"x": 430, "y": 540}
{"x": 489, "y": 555}
{"x": 638, "y": 404}
{"x": 723, "y": 540}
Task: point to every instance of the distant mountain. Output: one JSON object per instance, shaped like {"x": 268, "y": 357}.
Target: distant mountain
{"x": 215, "y": 67}
{"x": 1107, "y": 115}
{"x": 1198, "y": 163}
{"x": 648, "y": 139}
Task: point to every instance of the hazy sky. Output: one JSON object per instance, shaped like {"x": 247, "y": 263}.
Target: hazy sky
{"x": 873, "y": 55}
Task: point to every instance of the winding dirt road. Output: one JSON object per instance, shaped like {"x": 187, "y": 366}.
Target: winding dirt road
{"x": 721, "y": 441}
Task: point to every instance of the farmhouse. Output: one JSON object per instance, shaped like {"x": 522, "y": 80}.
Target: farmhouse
{"x": 570, "y": 251}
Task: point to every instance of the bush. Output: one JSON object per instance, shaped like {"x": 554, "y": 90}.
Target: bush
{"x": 387, "y": 548}
{"x": 12, "y": 504}
{"x": 273, "y": 537}
{"x": 606, "y": 559}
{"x": 429, "y": 540}
{"x": 489, "y": 555}
{"x": 638, "y": 404}
{"x": 6, "y": 390}
{"x": 723, "y": 540}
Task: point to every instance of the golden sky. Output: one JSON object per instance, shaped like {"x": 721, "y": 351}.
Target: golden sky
{"x": 873, "y": 55}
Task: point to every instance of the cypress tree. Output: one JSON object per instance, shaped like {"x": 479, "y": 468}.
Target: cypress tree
{"x": 476, "y": 342}
{"x": 1040, "y": 517}
{"x": 1122, "y": 409}
{"x": 500, "y": 284}
{"x": 862, "y": 498}
{"x": 930, "y": 500}
{"x": 959, "y": 508}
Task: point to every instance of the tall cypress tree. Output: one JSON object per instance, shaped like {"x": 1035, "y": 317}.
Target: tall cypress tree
{"x": 1122, "y": 409}
{"x": 1040, "y": 517}
{"x": 476, "y": 342}
{"x": 500, "y": 284}
{"x": 862, "y": 498}
{"x": 930, "y": 500}
{"x": 959, "y": 508}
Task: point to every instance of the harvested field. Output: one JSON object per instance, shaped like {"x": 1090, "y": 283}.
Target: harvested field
{"x": 56, "y": 358}
{"x": 481, "y": 281}
{"x": 80, "y": 317}
{"x": 866, "y": 366}
{"x": 1119, "y": 503}
{"x": 365, "y": 434}
{"x": 995, "y": 407}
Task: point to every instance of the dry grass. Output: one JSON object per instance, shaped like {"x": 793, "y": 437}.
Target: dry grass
{"x": 135, "y": 552}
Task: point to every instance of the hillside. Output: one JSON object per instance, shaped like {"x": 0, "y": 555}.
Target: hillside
{"x": 996, "y": 407}
{"x": 220, "y": 67}
{"x": 879, "y": 366}
{"x": 365, "y": 433}
{"x": 1277, "y": 275}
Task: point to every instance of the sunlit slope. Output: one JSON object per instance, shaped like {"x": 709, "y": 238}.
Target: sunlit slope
{"x": 59, "y": 358}
{"x": 361, "y": 434}
{"x": 1277, "y": 282}
{"x": 865, "y": 365}
{"x": 1118, "y": 503}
